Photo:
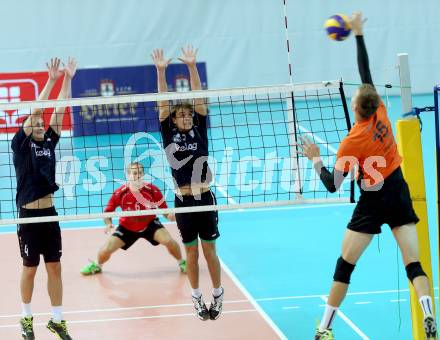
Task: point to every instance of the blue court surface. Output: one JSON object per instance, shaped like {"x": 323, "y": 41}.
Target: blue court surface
{"x": 283, "y": 257}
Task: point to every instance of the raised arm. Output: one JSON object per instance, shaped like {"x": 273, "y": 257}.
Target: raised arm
{"x": 54, "y": 73}
{"x": 161, "y": 66}
{"x": 362, "y": 56}
{"x": 56, "y": 120}
{"x": 189, "y": 58}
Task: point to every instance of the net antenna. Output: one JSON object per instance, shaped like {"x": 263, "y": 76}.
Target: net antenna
{"x": 405, "y": 83}
{"x": 437, "y": 148}
{"x": 291, "y": 116}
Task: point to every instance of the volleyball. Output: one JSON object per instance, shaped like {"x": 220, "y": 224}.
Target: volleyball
{"x": 338, "y": 27}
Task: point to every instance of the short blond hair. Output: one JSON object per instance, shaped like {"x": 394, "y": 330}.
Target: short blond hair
{"x": 134, "y": 164}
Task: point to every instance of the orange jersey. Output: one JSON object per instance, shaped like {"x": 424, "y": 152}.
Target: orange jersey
{"x": 371, "y": 145}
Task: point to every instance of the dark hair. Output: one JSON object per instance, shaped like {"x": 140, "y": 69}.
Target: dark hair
{"x": 368, "y": 100}
{"x": 181, "y": 105}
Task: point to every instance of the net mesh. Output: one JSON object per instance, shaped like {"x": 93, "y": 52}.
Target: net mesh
{"x": 252, "y": 134}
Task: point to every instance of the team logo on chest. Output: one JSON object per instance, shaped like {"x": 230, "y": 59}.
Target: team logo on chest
{"x": 179, "y": 138}
{"x": 182, "y": 138}
{"x": 40, "y": 151}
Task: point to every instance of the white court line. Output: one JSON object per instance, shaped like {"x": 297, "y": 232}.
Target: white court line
{"x": 121, "y": 309}
{"x": 294, "y": 207}
{"x": 15, "y": 325}
{"x": 292, "y": 307}
{"x": 314, "y": 296}
{"x": 398, "y": 300}
{"x": 252, "y": 301}
{"x": 320, "y": 140}
{"x": 320, "y": 295}
{"x": 222, "y": 190}
{"x": 363, "y": 302}
{"x": 349, "y": 322}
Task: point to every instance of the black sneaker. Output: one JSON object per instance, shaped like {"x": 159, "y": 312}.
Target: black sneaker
{"x": 216, "y": 306}
{"x": 59, "y": 329}
{"x": 200, "y": 307}
{"x": 27, "y": 328}
{"x": 430, "y": 328}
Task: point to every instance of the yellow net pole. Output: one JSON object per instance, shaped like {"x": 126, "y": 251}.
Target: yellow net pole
{"x": 410, "y": 148}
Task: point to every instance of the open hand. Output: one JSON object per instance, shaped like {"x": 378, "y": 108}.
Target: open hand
{"x": 309, "y": 149}
{"x": 357, "y": 23}
{"x": 70, "y": 68}
{"x": 159, "y": 60}
{"x": 188, "y": 55}
{"x": 53, "y": 69}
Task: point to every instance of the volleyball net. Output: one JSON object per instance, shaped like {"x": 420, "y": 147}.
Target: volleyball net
{"x": 253, "y": 155}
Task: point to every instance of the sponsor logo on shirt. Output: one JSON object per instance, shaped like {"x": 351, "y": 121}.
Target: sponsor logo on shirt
{"x": 40, "y": 152}
{"x": 187, "y": 146}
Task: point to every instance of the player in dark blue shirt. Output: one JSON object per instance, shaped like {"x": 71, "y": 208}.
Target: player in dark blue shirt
{"x": 34, "y": 160}
{"x": 185, "y": 139}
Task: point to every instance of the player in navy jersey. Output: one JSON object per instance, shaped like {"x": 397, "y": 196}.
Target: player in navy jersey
{"x": 185, "y": 139}
{"x": 34, "y": 160}
{"x": 135, "y": 195}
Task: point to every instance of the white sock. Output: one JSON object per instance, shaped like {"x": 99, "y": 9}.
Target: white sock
{"x": 57, "y": 313}
{"x": 196, "y": 292}
{"x": 216, "y": 292}
{"x": 426, "y": 304}
{"x": 26, "y": 310}
{"x": 328, "y": 317}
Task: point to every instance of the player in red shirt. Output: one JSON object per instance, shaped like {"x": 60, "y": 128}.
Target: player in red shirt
{"x": 135, "y": 195}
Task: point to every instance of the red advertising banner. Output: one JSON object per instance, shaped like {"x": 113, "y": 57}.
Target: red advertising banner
{"x": 25, "y": 86}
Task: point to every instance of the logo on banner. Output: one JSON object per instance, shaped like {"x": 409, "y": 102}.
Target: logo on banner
{"x": 15, "y": 91}
{"x": 181, "y": 83}
{"x": 101, "y": 113}
{"x": 107, "y": 88}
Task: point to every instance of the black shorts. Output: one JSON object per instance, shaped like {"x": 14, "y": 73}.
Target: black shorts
{"x": 197, "y": 224}
{"x": 129, "y": 237}
{"x": 37, "y": 239}
{"x": 390, "y": 205}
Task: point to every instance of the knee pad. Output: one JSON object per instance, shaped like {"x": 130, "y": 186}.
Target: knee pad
{"x": 413, "y": 270}
{"x": 343, "y": 271}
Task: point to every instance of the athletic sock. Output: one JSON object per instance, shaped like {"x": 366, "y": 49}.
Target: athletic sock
{"x": 26, "y": 310}
{"x": 426, "y": 304}
{"x": 328, "y": 317}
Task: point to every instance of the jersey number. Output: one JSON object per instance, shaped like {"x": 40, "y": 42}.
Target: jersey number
{"x": 381, "y": 131}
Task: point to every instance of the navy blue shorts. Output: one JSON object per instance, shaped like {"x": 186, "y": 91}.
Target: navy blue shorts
{"x": 37, "y": 239}
{"x": 197, "y": 224}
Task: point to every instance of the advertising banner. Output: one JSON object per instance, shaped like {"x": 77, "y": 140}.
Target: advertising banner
{"x": 124, "y": 118}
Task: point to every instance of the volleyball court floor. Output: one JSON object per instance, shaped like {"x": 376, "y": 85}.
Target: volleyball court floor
{"x": 277, "y": 269}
